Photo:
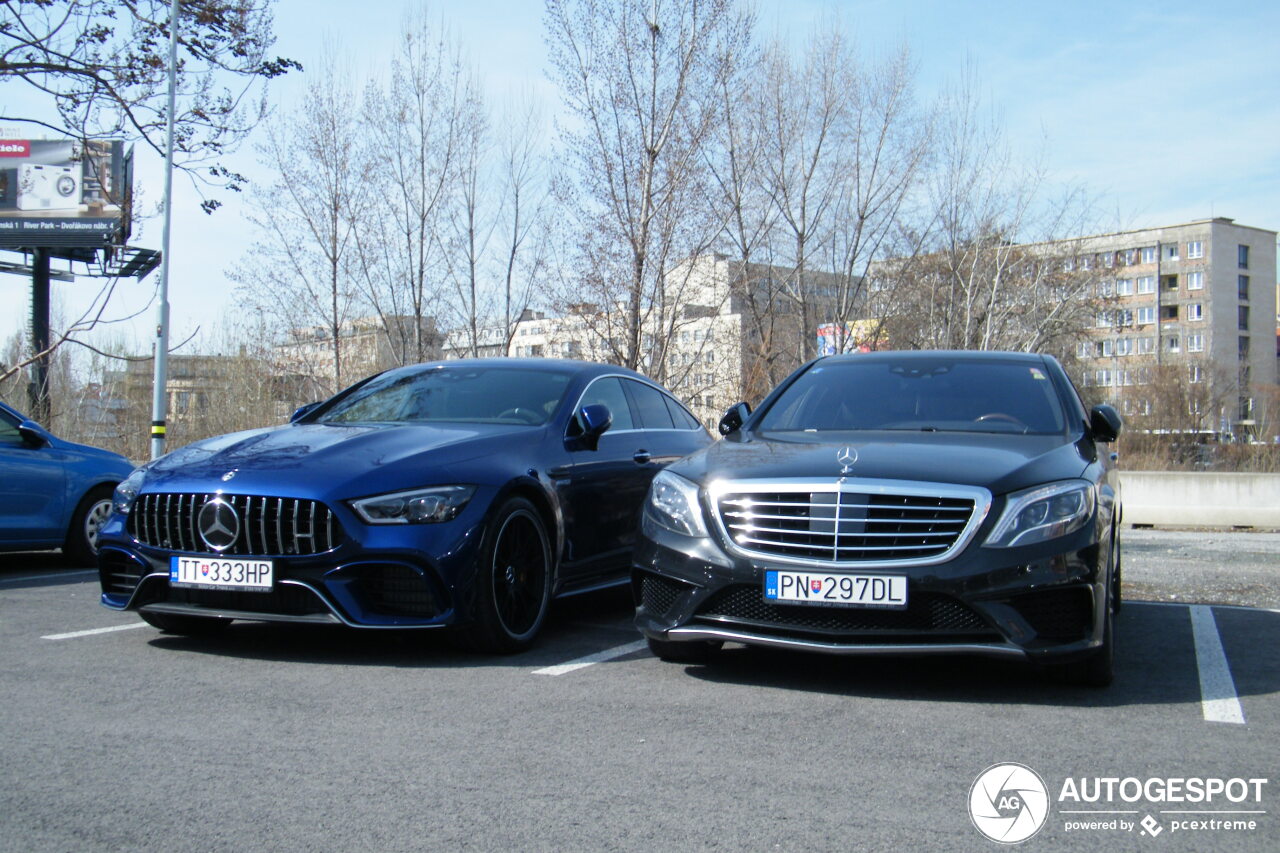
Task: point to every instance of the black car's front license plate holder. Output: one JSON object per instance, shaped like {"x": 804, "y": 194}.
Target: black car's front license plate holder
{"x": 221, "y": 573}
{"x": 835, "y": 589}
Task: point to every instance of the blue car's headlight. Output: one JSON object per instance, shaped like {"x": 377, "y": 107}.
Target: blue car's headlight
{"x": 417, "y": 506}
{"x": 673, "y": 503}
{"x": 127, "y": 491}
{"x": 1043, "y": 513}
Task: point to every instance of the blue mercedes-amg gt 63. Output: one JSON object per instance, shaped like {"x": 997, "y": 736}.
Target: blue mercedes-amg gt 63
{"x": 463, "y": 494}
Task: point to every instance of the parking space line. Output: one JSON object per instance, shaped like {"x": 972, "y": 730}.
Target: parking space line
{"x": 598, "y": 657}
{"x": 73, "y": 634}
{"x": 49, "y": 575}
{"x": 1217, "y": 689}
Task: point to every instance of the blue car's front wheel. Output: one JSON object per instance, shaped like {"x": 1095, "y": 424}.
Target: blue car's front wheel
{"x": 515, "y": 580}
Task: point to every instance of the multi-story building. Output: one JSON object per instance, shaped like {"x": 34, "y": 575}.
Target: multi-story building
{"x": 366, "y": 344}
{"x": 1195, "y": 302}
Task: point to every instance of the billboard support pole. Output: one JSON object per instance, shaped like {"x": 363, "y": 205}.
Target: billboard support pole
{"x": 38, "y": 390}
{"x": 160, "y": 396}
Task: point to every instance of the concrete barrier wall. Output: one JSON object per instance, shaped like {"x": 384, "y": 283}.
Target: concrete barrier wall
{"x": 1187, "y": 499}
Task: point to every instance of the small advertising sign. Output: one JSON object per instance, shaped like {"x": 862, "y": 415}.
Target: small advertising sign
{"x": 62, "y": 193}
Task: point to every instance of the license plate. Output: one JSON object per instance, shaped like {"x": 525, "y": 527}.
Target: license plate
{"x": 217, "y": 573}
{"x": 835, "y": 590}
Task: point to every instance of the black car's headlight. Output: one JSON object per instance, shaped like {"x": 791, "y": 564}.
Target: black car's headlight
{"x": 127, "y": 491}
{"x": 673, "y": 503}
{"x": 1043, "y": 513}
{"x": 417, "y": 506}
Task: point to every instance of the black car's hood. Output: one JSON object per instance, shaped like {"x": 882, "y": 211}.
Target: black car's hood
{"x": 998, "y": 462}
{"x": 324, "y": 458}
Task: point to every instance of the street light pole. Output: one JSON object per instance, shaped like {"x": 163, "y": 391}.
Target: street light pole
{"x": 160, "y": 395}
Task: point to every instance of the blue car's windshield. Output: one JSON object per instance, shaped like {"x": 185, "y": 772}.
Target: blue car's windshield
{"x": 457, "y": 394}
{"x": 943, "y": 394}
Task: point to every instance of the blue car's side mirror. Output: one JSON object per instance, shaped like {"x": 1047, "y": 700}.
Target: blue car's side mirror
{"x": 302, "y": 411}
{"x": 33, "y": 434}
{"x": 594, "y": 420}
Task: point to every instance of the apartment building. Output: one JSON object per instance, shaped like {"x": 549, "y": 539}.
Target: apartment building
{"x": 1200, "y": 297}
{"x": 367, "y": 344}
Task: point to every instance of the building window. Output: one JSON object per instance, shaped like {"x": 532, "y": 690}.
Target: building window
{"x": 1244, "y": 318}
{"x": 1146, "y": 316}
{"x": 1147, "y": 284}
{"x": 1129, "y": 256}
{"x": 1124, "y": 287}
{"x": 1242, "y": 257}
{"x": 1242, "y": 287}
{"x": 1149, "y": 255}
{"x": 1083, "y": 350}
{"x": 1102, "y": 378}
{"x": 1195, "y": 249}
{"x": 1246, "y": 408}
{"x": 1106, "y": 288}
{"x": 1195, "y": 343}
{"x": 1195, "y": 281}
{"x": 1124, "y": 346}
{"x": 1108, "y": 259}
{"x": 1103, "y": 320}
{"x": 1108, "y": 348}
{"x": 1169, "y": 282}
{"x": 1146, "y": 346}
{"x": 1168, "y": 312}
{"x": 1195, "y": 311}
{"x": 1068, "y": 264}
{"x": 1173, "y": 344}
{"x": 1124, "y": 317}
{"x": 1195, "y": 373}
{"x": 1171, "y": 252}
{"x": 1244, "y": 346}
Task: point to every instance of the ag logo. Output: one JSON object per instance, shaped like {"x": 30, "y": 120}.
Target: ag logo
{"x": 1008, "y": 803}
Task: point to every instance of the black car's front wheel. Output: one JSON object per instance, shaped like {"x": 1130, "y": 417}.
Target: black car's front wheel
{"x": 514, "y": 581}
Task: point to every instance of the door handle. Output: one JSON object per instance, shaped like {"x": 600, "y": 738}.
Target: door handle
{"x": 642, "y": 457}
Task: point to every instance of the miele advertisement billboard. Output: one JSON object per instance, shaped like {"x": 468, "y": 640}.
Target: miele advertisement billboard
{"x": 62, "y": 193}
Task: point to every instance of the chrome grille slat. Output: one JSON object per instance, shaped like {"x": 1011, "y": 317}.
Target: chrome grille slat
{"x": 848, "y": 521}
{"x": 171, "y": 521}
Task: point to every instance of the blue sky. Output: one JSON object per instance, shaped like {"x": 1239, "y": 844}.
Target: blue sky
{"x": 1164, "y": 111}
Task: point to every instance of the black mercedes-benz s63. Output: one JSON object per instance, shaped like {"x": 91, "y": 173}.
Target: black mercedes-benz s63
{"x": 899, "y": 503}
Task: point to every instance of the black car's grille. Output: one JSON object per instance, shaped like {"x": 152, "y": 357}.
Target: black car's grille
{"x": 267, "y": 526}
{"x": 287, "y": 600}
{"x": 926, "y": 613}
{"x": 1057, "y": 614}
{"x": 832, "y": 525}
{"x": 658, "y": 594}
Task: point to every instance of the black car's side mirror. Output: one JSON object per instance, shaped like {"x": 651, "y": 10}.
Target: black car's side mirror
{"x": 1105, "y": 422}
{"x": 33, "y": 434}
{"x": 302, "y": 411}
{"x": 593, "y": 421}
{"x": 734, "y": 418}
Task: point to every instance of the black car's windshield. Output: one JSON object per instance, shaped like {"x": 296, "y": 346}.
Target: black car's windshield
{"x": 943, "y": 394}
{"x": 456, "y": 394}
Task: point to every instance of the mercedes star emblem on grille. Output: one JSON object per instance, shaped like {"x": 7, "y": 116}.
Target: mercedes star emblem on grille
{"x": 219, "y": 524}
{"x": 846, "y": 456}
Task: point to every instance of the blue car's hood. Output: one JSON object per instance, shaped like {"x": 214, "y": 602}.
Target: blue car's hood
{"x": 323, "y": 459}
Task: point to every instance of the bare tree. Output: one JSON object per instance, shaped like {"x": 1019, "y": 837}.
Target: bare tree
{"x": 639, "y": 78}
{"x": 103, "y": 66}
{"x": 300, "y": 269}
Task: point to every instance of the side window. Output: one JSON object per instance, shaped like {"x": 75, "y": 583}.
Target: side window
{"x": 608, "y": 392}
{"x": 650, "y": 406}
{"x": 9, "y": 430}
{"x": 680, "y": 415}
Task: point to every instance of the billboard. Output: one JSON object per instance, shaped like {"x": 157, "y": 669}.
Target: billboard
{"x": 63, "y": 193}
{"x": 837, "y": 338}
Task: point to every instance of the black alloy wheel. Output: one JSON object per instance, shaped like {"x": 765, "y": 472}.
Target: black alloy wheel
{"x": 514, "y": 581}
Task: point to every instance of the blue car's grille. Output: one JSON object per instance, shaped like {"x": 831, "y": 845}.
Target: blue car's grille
{"x": 265, "y": 526}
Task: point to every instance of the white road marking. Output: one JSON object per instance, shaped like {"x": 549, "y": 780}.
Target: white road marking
{"x": 48, "y": 576}
{"x": 1217, "y": 689}
{"x": 598, "y": 657}
{"x": 72, "y": 635}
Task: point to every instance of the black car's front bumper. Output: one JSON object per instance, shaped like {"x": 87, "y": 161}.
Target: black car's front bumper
{"x": 1042, "y": 603}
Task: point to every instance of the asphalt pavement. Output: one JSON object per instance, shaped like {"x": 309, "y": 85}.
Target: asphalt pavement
{"x": 118, "y": 737}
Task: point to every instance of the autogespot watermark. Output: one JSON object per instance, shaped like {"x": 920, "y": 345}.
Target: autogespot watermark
{"x": 1009, "y": 803}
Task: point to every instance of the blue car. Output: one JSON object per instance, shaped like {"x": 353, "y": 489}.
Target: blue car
{"x": 463, "y": 494}
{"x": 53, "y": 493}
